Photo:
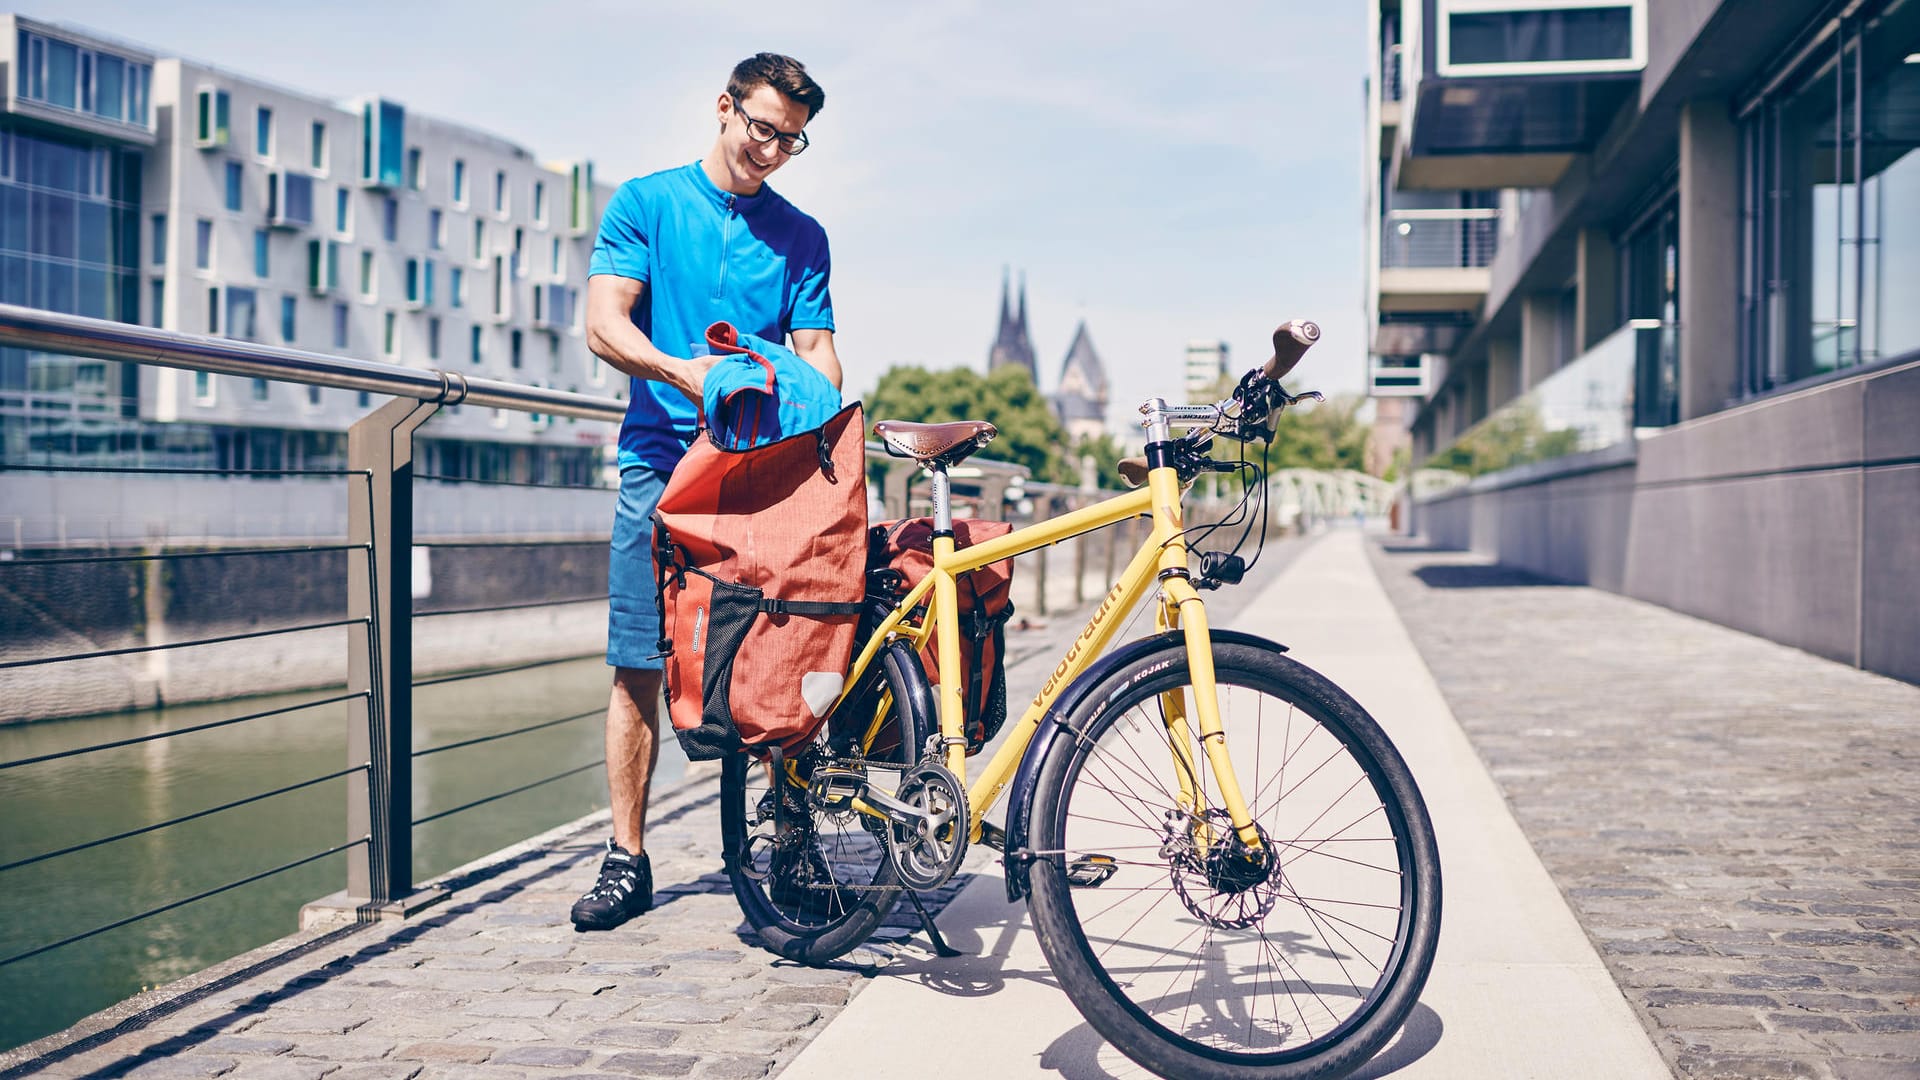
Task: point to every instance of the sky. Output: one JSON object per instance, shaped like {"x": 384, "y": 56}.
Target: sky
{"x": 1163, "y": 171}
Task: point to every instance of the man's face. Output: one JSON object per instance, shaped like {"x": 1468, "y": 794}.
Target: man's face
{"x": 748, "y": 160}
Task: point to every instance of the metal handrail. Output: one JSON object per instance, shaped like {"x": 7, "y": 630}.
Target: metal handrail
{"x": 103, "y": 339}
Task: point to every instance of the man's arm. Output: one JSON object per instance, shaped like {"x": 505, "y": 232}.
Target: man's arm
{"x": 816, "y": 348}
{"x": 612, "y": 337}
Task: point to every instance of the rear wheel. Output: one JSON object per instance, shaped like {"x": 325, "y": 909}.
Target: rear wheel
{"x": 1199, "y": 956}
{"x": 814, "y": 884}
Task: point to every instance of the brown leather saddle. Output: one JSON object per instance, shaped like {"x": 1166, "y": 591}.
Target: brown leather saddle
{"x": 935, "y": 445}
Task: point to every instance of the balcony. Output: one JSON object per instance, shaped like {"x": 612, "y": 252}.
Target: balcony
{"x": 1504, "y": 93}
{"x": 1436, "y": 260}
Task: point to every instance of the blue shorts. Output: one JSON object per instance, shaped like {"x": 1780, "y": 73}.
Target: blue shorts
{"x": 633, "y": 611}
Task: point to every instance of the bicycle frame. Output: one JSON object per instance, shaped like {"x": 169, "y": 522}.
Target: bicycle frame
{"x": 1162, "y": 558}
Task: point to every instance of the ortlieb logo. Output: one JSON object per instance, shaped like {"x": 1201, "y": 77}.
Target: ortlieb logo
{"x": 699, "y": 623}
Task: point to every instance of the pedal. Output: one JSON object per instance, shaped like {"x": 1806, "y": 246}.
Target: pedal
{"x": 833, "y": 791}
{"x": 1090, "y": 871}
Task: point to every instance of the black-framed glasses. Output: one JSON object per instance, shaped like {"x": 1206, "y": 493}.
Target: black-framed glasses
{"x": 791, "y": 142}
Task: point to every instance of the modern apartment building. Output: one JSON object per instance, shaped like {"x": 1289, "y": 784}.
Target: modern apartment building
{"x": 1646, "y": 270}
{"x": 161, "y": 190}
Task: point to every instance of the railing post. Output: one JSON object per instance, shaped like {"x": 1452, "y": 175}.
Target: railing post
{"x": 380, "y": 658}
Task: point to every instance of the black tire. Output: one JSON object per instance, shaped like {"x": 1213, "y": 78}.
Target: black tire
{"x": 1195, "y": 969}
{"x": 853, "y": 853}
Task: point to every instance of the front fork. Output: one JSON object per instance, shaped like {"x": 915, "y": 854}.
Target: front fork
{"x": 1181, "y": 608}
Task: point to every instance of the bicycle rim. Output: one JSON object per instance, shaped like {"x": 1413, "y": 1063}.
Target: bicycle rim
{"x": 1193, "y": 959}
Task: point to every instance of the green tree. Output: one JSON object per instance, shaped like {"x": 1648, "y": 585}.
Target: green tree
{"x": 1322, "y": 435}
{"x": 1514, "y": 435}
{"x": 1029, "y": 433}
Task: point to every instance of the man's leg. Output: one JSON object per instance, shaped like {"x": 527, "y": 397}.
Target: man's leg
{"x": 633, "y": 746}
{"x": 625, "y": 887}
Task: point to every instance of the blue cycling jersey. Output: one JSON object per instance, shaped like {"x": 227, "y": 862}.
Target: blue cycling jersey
{"x": 706, "y": 256}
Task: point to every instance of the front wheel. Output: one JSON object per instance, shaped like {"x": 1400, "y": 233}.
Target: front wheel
{"x": 1198, "y": 955}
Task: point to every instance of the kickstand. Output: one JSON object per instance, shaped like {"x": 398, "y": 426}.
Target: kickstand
{"x": 940, "y": 946}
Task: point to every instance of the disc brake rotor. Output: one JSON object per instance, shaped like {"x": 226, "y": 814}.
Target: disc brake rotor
{"x": 1228, "y": 886}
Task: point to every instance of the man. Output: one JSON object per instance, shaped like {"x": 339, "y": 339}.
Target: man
{"x": 677, "y": 251}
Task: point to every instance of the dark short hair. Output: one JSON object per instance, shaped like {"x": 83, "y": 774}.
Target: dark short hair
{"x": 783, "y": 73}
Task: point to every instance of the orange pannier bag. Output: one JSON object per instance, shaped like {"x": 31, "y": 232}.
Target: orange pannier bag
{"x": 760, "y": 555}
{"x": 899, "y": 556}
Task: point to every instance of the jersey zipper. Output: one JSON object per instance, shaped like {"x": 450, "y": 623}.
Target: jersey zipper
{"x": 726, "y": 245}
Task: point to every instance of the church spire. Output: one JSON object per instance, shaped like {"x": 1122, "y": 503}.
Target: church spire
{"x": 1013, "y": 344}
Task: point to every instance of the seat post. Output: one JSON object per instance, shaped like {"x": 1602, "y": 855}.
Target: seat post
{"x": 942, "y": 499}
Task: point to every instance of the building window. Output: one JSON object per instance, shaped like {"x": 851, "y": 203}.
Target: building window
{"x": 475, "y": 342}
{"x": 72, "y": 77}
{"x": 203, "y": 388}
{"x": 390, "y": 220}
{"x": 426, "y": 283}
{"x": 319, "y": 148}
{"x": 365, "y": 399}
{"x": 289, "y": 307}
{"x": 383, "y": 132}
{"x": 343, "y": 211}
{"x": 159, "y": 244}
{"x": 413, "y": 281}
{"x": 433, "y": 339}
{"x": 262, "y": 267}
{"x": 366, "y": 273}
{"x": 1651, "y": 273}
{"x": 500, "y": 192}
{"x": 479, "y": 241}
{"x": 519, "y": 249}
{"x": 1832, "y": 191}
{"x": 215, "y": 109}
{"x": 157, "y": 302}
{"x": 415, "y": 179}
{"x": 540, "y": 202}
{"x": 313, "y": 397}
{"x": 242, "y": 314}
{"x": 436, "y": 229}
{"x": 501, "y": 286}
{"x": 339, "y": 325}
{"x": 514, "y": 341}
{"x": 558, "y": 260}
{"x": 202, "y": 244}
{"x": 456, "y": 287}
{"x": 236, "y": 177}
{"x": 261, "y": 390}
{"x": 263, "y": 131}
{"x": 459, "y": 184}
{"x": 390, "y": 335}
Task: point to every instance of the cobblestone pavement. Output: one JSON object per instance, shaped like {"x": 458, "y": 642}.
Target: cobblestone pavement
{"x": 494, "y": 982}
{"x": 1733, "y": 821}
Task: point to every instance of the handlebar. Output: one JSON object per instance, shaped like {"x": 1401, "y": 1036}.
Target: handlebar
{"x": 1290, "y": 342}
{"x": 1247, "y": 413}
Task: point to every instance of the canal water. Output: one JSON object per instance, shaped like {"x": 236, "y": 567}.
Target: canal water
{"x": 55, "y": 804}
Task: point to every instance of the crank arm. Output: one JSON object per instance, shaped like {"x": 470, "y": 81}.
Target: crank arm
{"x": 841, "y": 790}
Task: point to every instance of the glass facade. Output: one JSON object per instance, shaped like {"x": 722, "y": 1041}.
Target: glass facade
{"x": 1832, "y": 203}
{"x": 1651, "y": 297}
{"x": 343, "y": 211}
{"x": 69, "y": 76}
{"x": 236, "y": 186}
{"x": 69, "y": 227}
{"x": 1540, "y": 36}
{"x": 390, "y": 220}
{"x": 289, "y": 310}
{"x": 263, "y": 131}
{"x": 318, "y": 150}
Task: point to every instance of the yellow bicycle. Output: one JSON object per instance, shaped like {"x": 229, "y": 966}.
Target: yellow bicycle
{"x": 1229, "y": 866}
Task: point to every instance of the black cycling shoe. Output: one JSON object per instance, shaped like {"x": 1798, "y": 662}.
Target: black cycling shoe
{"x": 625, "y": 889}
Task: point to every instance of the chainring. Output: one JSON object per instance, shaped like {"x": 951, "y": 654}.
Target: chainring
{"x": 928, "y": 854}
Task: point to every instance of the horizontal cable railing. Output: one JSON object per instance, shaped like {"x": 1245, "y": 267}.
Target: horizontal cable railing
{"x": 1439, "y": 238}
{"x": 498, "y": 795}
{"x": 183, "y": 818}
{"x": 210, "y": 725}
{"x": 134, "y": 650}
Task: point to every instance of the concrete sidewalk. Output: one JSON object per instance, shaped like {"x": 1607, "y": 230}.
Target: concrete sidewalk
{"x": 1517, "y": 990}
